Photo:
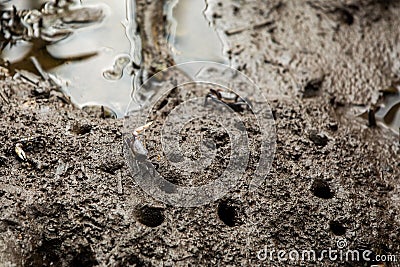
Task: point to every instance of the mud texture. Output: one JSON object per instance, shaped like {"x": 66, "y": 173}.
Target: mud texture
{"x": 73, "y": 201}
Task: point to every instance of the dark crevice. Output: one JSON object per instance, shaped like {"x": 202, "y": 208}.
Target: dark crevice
{"x": 321, "y": 189}
{"x": 150, "y": 216}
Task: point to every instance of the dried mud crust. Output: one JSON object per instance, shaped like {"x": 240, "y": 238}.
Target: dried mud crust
{"x": 332, "y": 178}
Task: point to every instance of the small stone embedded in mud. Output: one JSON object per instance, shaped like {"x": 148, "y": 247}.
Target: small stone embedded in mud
{"x": 81, "y": 129}
{"x": 61, "y": 168}
{"x": 319, "y": 139}
{"x": 320, "y": 188}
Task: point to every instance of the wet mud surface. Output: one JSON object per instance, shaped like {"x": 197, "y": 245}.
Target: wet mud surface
{"x": 74, "y": 202}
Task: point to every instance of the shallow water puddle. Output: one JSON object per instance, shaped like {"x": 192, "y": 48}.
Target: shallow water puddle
{"x": 190, "y": 33}
{"x": 93, "y": 63}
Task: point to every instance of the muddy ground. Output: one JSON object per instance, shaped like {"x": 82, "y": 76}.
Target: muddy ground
{"x": 74, "y": 202}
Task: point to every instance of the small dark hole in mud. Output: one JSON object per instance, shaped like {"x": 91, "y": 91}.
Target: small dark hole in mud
{"x": 274, "y": 115}
{"x": 236, "y": 10}
{"x": 163, "y": 104}
{"x": 131, "y": 260}
{"x": 333, "y": 126}
{"x": 41, "y": 93}
{"x": 321, "y": 189}
{"x": 111, "y": 166}
{"x": 216, "y": 16}
{"x": 46, "y": 254}
{"x": 3, "y": 161}
{"x": 85, "y": 257}
{"x": 345, "y": 16}
{"x": 386, "y": 3}
{"x": 318, "y": 139}
{"x": 221, "y": 137}
{"x": 371, "y": 118}
{"x": 9, "y": 223}
{"x": 228, "y": 213}
{"x": 81, "y": 129}
{"x": 150, "y": 216}
{"x": 337, "y": 228}
{"x": 312, "y": 88}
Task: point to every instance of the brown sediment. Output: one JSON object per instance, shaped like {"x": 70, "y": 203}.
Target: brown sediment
{"x": 75, "y": 202}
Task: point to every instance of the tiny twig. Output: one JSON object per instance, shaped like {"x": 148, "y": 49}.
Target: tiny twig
{"x": 39, "y": 68}
{"x": 119, "y": 184}
{"x": 252, "y": 27}
{"x": 4, "y": 96}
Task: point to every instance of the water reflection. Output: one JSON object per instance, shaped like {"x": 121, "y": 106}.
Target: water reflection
{"x": 95, "y": 59}
{"x": 93, "y": 62}
{"x": 190, "y": 33}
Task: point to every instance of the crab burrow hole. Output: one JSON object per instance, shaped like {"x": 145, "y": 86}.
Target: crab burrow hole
{"x": 149, "y": 216}
{"x": 230, "y": 212}
{"x": 320, "y": 188}
{"x": 337, "y": 228}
